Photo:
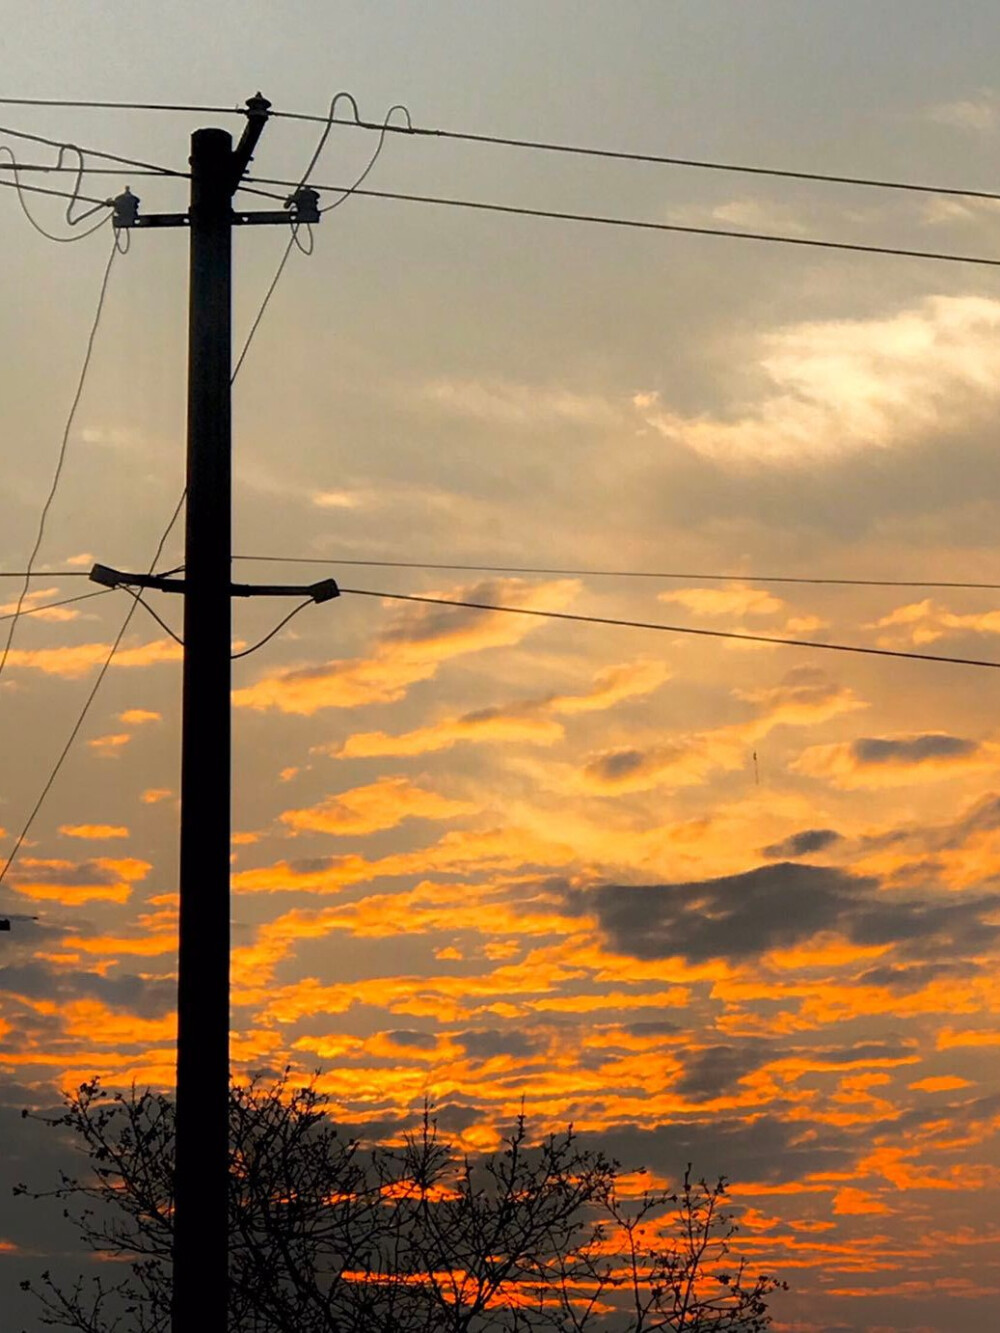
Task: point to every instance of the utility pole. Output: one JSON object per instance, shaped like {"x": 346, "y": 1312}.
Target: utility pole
{"x": 201, "y": 1185}
{"x": 201, "y": 1180}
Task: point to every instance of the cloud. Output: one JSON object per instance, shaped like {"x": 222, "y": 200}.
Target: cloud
{"x": 806, "y": 696}
{"x": 153, "y": 795}
{"x": 79, "y": 659}
{"x": 979, "y": 114}
{"x": 878, "y": 761}
{"x": 95, "y": 831}
{"x": 104, "y": 879}
{"x": 34, "y": 600}
{"x": 415, "y": 644}
{"x": 530, "y": 721}
{"x": 841, "y": 387}
{"x": 735, "y": 599}
{"x": 520, "y": 405}
{"x": 110, "y": 745}
{"x": 135, "y": 717}
{"x": 775, "y": 907}
{"x": 805, "y": 843}
{"x": 380, "y": 805}
{"x": 746, "y": 213}
{"x": 921, "y": 623}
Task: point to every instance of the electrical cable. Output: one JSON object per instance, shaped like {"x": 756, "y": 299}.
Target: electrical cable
{"x": 677, "y": 629}
{"x": 51, "y": 606}
{"x": 577, "y": 150}
{"x": 156, "y": 616}
{"x": 92, "y": 695}
{"x": 57, "y": 474}
{"x": 293, "y": 240}
{"x": 625, "y": 573}
{"x": 42, "y": 169}
{"x": 94, "y": 152}
{"x": 638, "y": 224}
{"x": 233, "y": 657}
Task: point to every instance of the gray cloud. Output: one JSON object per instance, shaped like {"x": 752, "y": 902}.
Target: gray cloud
{"x": 740, "y": 916}
{"x": 911, "y": 749}
{"x": 146, "y": 997}
{"x": 802, "y": 844}
{"x": 711, "y": 1071}
{"x": 484, "y": 1043}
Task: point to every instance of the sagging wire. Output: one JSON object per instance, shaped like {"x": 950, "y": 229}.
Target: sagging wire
{"x": 294, "y": 241}
{"x": 74, "y": 198}
{"x": 61, "y": 459}
{"x": 277, "y": 630}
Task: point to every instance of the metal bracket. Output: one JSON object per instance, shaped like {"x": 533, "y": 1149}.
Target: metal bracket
{"x": 323, "y": 591}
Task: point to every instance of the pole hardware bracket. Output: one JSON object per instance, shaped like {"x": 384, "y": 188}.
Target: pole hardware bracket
{"x": 323, "y": 591}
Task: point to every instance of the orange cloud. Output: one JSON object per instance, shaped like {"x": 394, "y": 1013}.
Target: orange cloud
{"x": 458, "y": 852}
{"x": 109, "y": 745}
{"x": 135, "y": 717}
{"x": 103, "y": 879}
{"x": 94, "y": 831}
{"x": 941, "y": 1083}
{"x": 153, "y": 795}
{"x": 415, "y": 644}
{"x": 857, "y": 1203}
{"x": 381, "y": 805}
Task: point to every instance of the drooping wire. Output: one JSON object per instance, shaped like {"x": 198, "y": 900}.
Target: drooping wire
{"x": 155, "y": 614}
{"x": 74, "y": 198}
{"x": 277, "y": 629}
{"x": 676, "y": 629}
{"x": 626, "y": 573}
{"x": 57, "y": 474}
{"x": 92, "y": 695}
{"x": 303, "y": 180}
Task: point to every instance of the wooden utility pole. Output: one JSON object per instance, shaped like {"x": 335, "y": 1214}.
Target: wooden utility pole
{"x": 201, "y": 1180}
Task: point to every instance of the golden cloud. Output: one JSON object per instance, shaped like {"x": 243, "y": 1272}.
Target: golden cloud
{"x": 528, "y": 722}
{"x": 892, "y": 761}
{"x": 735, "y": 599}
{"x": 380, "y": 805}
{"x": 416, "y": 643}
{"x": 76, "y": 660}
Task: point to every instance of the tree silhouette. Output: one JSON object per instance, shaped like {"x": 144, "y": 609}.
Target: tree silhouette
{"x": 328, "y": 1235}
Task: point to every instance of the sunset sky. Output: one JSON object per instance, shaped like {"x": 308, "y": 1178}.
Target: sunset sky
{"x": 711, "y": 901}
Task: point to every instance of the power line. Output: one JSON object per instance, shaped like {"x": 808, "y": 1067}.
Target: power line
{"x": 278, "y": 627}
{"x": 92, "y": 695}
{"x": 51, "y": 606}
{"x": 57, "y": 194}
{"x": 57, "y": 474}
{"x": 155, "y": 614}
{"x": 639, "y": 224}
{"x": 92, "y": 152}
{"x": 676, "y": 629}
{"x": 538, "y": 145}
{"x": 625, "y": 573}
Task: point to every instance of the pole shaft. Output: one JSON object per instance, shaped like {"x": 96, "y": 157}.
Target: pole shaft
{"x": 201, "y": 1180}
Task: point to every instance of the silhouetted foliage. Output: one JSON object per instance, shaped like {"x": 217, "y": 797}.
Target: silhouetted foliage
{"x": 328, "y": 1235}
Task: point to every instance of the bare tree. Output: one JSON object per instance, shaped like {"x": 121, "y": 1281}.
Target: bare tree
{"x": 331, "y": 1235}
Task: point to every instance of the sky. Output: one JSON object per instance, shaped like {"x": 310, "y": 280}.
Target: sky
{"x": 711, "y": 901}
